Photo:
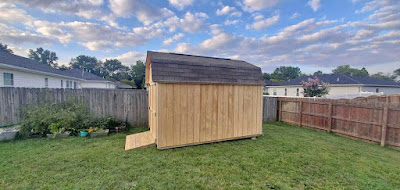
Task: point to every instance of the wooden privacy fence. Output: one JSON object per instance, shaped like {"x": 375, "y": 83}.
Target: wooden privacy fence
{"x": 270, "y": 105}
{"x": 369, "y": 120}
{"x": 123, "y": 105}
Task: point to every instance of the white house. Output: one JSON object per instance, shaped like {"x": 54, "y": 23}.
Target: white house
{"x": 17, "y": 71}
{"x": 341, "y": 86}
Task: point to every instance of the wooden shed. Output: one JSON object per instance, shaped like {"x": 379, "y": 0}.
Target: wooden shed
{"x": 196, "y": 99}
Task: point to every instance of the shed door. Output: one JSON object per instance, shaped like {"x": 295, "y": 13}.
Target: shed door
{"x": 153, "y": 108}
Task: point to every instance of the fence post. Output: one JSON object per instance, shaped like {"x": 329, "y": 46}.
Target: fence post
{"x": 330, "y": 117}
{"x": 300, "y": 111}
{"x": 384, "y": 125}
{"x": 280, "y": 109}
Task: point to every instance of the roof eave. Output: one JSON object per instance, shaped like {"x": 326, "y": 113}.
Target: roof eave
{"x": 6, "y": 66}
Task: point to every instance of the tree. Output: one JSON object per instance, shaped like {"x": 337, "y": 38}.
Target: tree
{"x": 284, "y": 73}
{"x": 347, "y": 70}
{"x": 138, "y": 74}
{"x": 44, "y": 56}
{"x": 5, "y": 48}
{"x": 397, "y": 72}
{"x": 267, "y": 76}
{"x": 315, "y": 88}
{"x": 88, "y": 63}
{"x": 116, "y": 70}
{"x": 380, "y": 75}
{"x": 318, "y": 73}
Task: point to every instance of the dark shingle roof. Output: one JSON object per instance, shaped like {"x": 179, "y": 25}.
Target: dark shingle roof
{"x": 181, "y": 68}
{"x": 77, "y": 73}
{"x": 338, "y": 79}
{"x": 18, "y": 61}
{"x": 271, "y": 83}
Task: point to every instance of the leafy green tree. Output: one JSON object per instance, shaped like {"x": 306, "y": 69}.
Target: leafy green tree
{"x": 4, "y": 47}
{"x": 318, "y": 73}
{"x": 315, "y": 88}
{"x": 284, "y": 73}
{"x": 267, "y": 76}
{"x": 347, "y": 70}
{"x": 380, "y": 75}
{"x": 88, "y": 63}
{"x": 138, "y": 74}
{"x": 44, "y": 56}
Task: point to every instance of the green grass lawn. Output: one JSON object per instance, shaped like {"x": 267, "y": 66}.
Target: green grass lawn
{"x": 287, "y": 157}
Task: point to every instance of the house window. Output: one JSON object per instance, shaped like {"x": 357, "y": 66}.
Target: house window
{"x": 62, "y": 84}
{"x": 74, "y": 85}
{"x": 8, "y": 79}
{"x": 377, "y": 90}
{"x": 274, "y": 92}
{"x": 67, "y": 83}
{"x": 46, "y": 82}
{"x": 285, "y": 91}
{"x": 70, "y": 84}
{"x": 297, "y": 92}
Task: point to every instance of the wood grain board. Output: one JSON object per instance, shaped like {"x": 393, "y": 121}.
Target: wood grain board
{"x": 139, "y": 140}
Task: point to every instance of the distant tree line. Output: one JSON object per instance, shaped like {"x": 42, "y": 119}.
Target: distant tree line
{"x": 284, "y": 73}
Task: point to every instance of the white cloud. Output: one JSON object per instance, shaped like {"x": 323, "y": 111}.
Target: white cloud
{"x": 191, "y": 23}
{"x": 96, "y": 37}
{"x": 314, "y": 4}
{"x": 144, "y": 12}
{"x": 85, "y": 8}
{"x": 11, "y": 35}
{"x": 294, "y": 15}
{"x": 180, "y": 4}
{"x": 264, "y": 23}
{"x": 149, "y": 31}
{"x": 174, "y": 38}
{"x": 10, "y": 14}
{"x": 255, "y": 5}
{"x": 231, "y": 22}
{"x": 227, "y": 10}
{"x": 129, "y": 58}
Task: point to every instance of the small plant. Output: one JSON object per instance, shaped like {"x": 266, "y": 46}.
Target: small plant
{"x": 56, "y": 128}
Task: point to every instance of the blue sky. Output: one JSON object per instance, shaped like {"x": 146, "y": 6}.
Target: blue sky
{"x": 311, "y": 34}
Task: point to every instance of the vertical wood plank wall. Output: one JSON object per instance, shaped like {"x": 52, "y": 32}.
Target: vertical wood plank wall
{"x": 199, "y": 113}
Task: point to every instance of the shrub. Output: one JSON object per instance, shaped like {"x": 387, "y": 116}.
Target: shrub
{"x": 315, "y": 88}
{"x": 60, "y": 117}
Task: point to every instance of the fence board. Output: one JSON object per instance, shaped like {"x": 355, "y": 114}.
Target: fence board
{"x": 374, "y": 119}
{"x": 270, "y": 106}
{"x": 123, "y": 105}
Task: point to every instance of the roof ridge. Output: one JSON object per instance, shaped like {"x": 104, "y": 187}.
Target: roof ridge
{"x": 351, "y": 78}
{"x": 172, "y": 53}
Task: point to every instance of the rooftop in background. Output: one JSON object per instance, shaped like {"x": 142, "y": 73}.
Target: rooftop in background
{"x": 338, "y": 79}
{"x": 26, "y": 63}
{"x": 182, "y": 68}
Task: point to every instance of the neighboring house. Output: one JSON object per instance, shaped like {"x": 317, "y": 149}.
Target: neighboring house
{"x": 340, "y": 86}
{"x": 17, "y": 71}
{"x": 121, "y": 85}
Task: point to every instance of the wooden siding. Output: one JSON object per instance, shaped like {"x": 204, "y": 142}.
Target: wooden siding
{"x": 200, "y": 113}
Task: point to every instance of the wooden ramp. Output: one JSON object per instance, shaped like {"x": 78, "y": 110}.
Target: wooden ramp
{"x": 139, "y": 140}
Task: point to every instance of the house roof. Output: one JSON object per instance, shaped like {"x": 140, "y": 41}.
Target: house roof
{"x": 340, "y": 79}
{"x": 22, "y": 62}
{"x": 182, "y": 68}
{"x": 122, "y": 85}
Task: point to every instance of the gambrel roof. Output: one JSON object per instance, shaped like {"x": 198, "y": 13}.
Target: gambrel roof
{"x": 182, "y": 68}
